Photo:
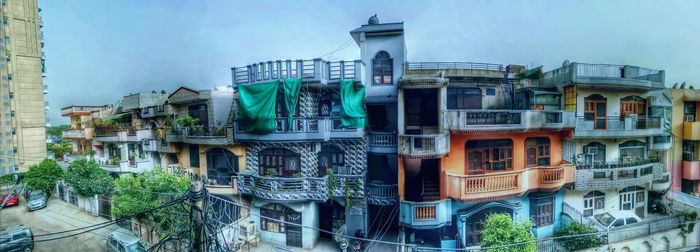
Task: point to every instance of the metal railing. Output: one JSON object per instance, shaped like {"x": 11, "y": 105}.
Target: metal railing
{"x": 578, "y": 216}
{"x": 382, "y": 139}
{"x": 453, "y": 65}
{"x": 618, "y": 123}
{"x": 433, "y": 144}
{"x": 316, "y": 69}
{"x": 382, "y": 191}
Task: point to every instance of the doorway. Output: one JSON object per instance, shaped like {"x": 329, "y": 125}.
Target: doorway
{"x": 596, "y": 110}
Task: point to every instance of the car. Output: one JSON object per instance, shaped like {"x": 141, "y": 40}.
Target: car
{"x": 12, "y": 199}
{"x": 122, "y": 240}
{"x": 617, "y": 218}
{"x": 35, "y": 201}
{"x": 16, "y": 238}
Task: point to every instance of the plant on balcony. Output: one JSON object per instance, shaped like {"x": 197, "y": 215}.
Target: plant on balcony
{"x": 499, "y": 230}
{"x": 297, "y": 175}
{"x": 330, "y": 184}
{"x": 218, "y": 132}
{"x": 690, "y": 218}
{"x": 91, "y": 154}
{"x": 114, "y": 160}
{"x": 576, "y": 238}
{"x": 141, "y": 192}
{"x": 61, "y": 148}
{"x": 88, "y": 178}
{"x": 43, "y": 176}
{"x": 105, "y": 127}
{"x": 186, "y": 121}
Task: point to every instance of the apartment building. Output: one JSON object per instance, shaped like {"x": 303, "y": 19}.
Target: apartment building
{"x": 685, "y": 129}
{"x": 82, "y": 128}
{"x": 22, "y": 105}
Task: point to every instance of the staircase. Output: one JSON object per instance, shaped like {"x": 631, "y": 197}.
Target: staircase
{"x": 431, "y": 190}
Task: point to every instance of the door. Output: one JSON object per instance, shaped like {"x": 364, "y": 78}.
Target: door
{"x": 293, "y": 232}
{"x": 600, "y": 122}
{"x": 627, "y": 200}
{"x": 476, "y": 162}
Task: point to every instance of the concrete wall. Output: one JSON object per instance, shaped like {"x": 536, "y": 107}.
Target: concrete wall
{"x": 392, "y": 44}
{"x": 309, "y": 217}
{"x": 613, "y": 99}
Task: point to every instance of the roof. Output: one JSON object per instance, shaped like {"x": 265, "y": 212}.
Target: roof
{"x": 125, "y": 236}
{"x": 185, "y": 88}
{"x": 376, "y": 28}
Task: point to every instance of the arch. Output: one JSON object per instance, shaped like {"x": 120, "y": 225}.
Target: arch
{"x": 632, "y": 150}
{"x": 666, "y": 243}
{"x": 633, "y": 104}
{"x": 221, "y": 165}
{"x": 152, "y": 125}
{"x": 593, "y": 203}
{"x": 595, "y": 110}
{"x": 594, "y": 153}
{"x": 626, "y": 249}
{"x": 596, "y": 97}
{"x": 592, "y": 194}
{"x": 632, "y": 189}
{"x": 279, "y": 162}
{"x": 475, "y": 222}
{"x": 332, "y": 157}
{"x": 382, "y": 69}
{"x": 537, "y": 151}
{"x": 634, "y": 98}
{"x": 488, "y": 155}
{"x": 633, "y": 143}
{"x": 646, "y": 246}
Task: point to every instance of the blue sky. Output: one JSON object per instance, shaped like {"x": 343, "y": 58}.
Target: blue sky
{"x": 99, "y": 51}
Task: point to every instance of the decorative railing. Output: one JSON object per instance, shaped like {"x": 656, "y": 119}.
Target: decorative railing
{"x": 382, "y": 139}
{"x": 354, "y": 184}
{"x": 606, "y": 75}
{"x": 508, "y": 120}
{"x": 382, "y": 191}
{"x": 200, "y": 135}
{"x": 644, "y": 228}
{"x": 312, "y": 70}
{"x": 482, "y": 187}
{"x": 302, "y": 128}
{"x": 453, "y": 65}
{"x": 579, "y": 217}
{"x": 426, "y": 214}
{"x": 617, "y": 175}
{"x": 424, "y": 146}
{"x": 279, "y": 188}
{"x": 423, "y": 213}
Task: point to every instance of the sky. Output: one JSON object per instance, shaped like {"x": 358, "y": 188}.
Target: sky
{"x": 99, "y": 51}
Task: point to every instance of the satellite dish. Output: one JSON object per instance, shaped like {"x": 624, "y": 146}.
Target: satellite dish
{"x": 163, "y": 92}
{"x": 566, "y": 63}
{"x": 683, "y": 85}
{"x": 154, "y": 92}
{"x": 691, "y": 87}
{"x": 675, "y": 85}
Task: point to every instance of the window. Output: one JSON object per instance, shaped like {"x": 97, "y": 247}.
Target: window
{"x": 632, "y": 105}
{"x": 194, "y": 155}
{"x": 275, "y": 214}
{"x": 281, "y": 106}
{"x": 689, "y": 109}
{"x": 221, "y": 165}
{"x": 618, "y": 222}
{"x": 537, "y": 151}
{"x": 489, "y": 155}
{"x": 12, "y": 95}
{"x": 382, "y": 69}
{"x": 490, "y": 91}
{"x": 279, "y": 162}
{"x": 475, "y": 223}
{"x": 113, "y": 242}
{"x": 542, "y": 211}
{"x": 632, "y": 151}
{"x": 331, "y": 157}
{"x": 463, "y": 98}
{"x": 570, "y": 98}
{"x": 631, "y": 221}
{"x": 593, "y": 202}
{"x": 689, "y": 148}
{"x": 594, "y": 153}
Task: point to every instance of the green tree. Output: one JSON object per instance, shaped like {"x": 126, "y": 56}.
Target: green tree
{"x": 578, "y": 242}
{"x": 186, "y": 121}
{"x": 88, "y": 178}
{"x": 499, "y": 230}
{"x": 145, "y": 191}
{"x": 43, "y": 176}
{"x": 62, "y": 148}
{"x": 56, "y": 130}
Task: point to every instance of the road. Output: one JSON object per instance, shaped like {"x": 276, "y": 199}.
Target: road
{"x": 58, "y": 216}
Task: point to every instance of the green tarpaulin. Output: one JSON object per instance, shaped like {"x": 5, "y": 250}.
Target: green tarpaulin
{"x": 291, "y": 97}
{"x": 256, "y": 106}
{"x": 352, "y": 99}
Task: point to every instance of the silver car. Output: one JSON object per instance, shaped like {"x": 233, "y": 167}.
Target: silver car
{"x": 122, "y": 240}
{"x": 17, "y": 238}
{"x": 36, "y": 200}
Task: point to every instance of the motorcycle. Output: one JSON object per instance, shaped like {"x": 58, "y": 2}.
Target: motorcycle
{"x": 358, "y": 244}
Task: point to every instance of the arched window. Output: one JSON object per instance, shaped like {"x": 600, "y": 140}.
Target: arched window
{"x": 594, "y": 153}
{"x": 633, "y": 105}
{"x": 633, "y": 198}
{"x": 382, "y": 69}
{"x": 279, "y": 162}
{"x": 221, "y": 165}
{"x": 593, "y": 203}
{"x": 632, "y": 151}
{"x": 537, "y": 151}
{"x": 332, "y": 157}
{"x": 489, "y": 155}
{"x": 475, "y": 223}
{"x": 595, "y": 110}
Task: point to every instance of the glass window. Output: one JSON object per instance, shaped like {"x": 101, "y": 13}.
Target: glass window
{"x": 194, "y": 155}
{"x": 276, "y": 214}
{"x": 491, "y": 91}
{"x": 221, "y": 165}
{"x": 632, "y": 151}
{"x": 331, "y": 157}
{"x": 382, "y": 69}
{"x": 631, "y": 221}
{"x": 593, "y": 201}
{"x": 619, "y": 222}
{"x": 489, "y": 155}
{"x": 537, "y": 151}
{"x": 279, "y": 162}
{"x": 463, "y": 98}
{"x": 542, "y": 211}
{"x": 113, "y": 242}
{"x": 689, "y": 109}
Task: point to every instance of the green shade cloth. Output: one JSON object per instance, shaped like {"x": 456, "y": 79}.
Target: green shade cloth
{"x": 535, "y": 73}
{"x": 291, "y": 97}
{"x": 256, "y": 107}
{"x": 352, "y": 100}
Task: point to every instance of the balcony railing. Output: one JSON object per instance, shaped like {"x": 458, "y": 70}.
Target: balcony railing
{"x": 74, "y": 133}
{"x": 618, "y": 76}
{"x": 80, "y": 109}
{"x": 424, "y": 146}
{"x": 453, "y": 65}
{"x": 354, "y": 184}
{"x": 473, "y": 120}
{"x": 316, "y": 70}
{"x": 617, "y": 175}
{"x": 286, "y": 189}
{"x": 430, "y": 214}
{"x": 618, "y": 127}
{"x": 200, "y": 135}
{"x": 496, "y": 185}
{"x": 222, "y": 184}
{"x": 382, "y": 142}
{"x": 303, "y": 128}
{"x": 382, "y": 194}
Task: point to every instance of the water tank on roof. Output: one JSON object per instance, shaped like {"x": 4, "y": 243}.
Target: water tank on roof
{"x": 373, "y": 20}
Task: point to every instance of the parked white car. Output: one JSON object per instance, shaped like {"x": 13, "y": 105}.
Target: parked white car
{"x": 617, "y": 218}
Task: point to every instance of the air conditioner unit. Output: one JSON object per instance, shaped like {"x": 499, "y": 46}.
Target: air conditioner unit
{"x": 591, "y": 150}
{"x": 248, "y": 232}
{"x": 689, "y": 118}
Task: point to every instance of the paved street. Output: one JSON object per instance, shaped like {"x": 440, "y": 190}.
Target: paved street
{"x": 56, "y": 217}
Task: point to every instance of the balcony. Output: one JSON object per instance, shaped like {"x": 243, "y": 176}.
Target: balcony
{"x": 425, "y": 215}
{"x": 691, "y": 131}
{"x": 424, "y": 146}
{"x": 283, "y": 189}
{"x": 382, "y": 142}
{"x": 476, "y": 120}
{"x": 691, "y": 170}
{"x": 124, "y": 135}
{"x": 152, "y": 112}
{"x": 617, "y": 175}
{"x": 151, "y": 145}
{"x": 314, "y": 72}
{"x": 382, "y": 194}
{"x": 661, "y": 142}
{"x": 303, "y": 129}
{"x": 199, "y": 135}
{"x": 455, "y": 69}
{"x": 224, "y": 185}
{"x": 354, "y": 184}
{"x": 134, "y": 166}
{"x": 501, "y": 185}
{"x": 616, "y": 127}
{"x": 620, "y": 77}
{"x": 86, "y": 133}
{"x": 81, "y": 109}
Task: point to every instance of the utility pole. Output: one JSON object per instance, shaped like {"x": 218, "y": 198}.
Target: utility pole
{"x": 196, "y": 197}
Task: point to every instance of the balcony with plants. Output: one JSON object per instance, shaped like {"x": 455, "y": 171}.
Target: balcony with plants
{"x": 188, "y": 129}
{"x": 617, "y": 175}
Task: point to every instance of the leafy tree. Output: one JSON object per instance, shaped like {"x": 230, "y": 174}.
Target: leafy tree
{"x": 186, "y": 121}
{"x": 88, "y": 178}
{"x": 56, "y": 130}
{"x": 43, "y": 176}
{"x": 62, "y": 148}
{"x": 578, "y": 242}
{"x": 145, "y": 191}
{"x": 499, "y": 230}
